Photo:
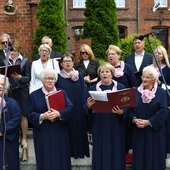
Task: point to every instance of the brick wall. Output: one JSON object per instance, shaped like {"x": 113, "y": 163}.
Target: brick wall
{"x": 21, "y": 25}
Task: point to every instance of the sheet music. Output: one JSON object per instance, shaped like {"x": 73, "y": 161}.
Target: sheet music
{"x": 99, "y": 95}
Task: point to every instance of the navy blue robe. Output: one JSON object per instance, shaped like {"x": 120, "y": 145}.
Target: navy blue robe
{"x": 149, "y": 143}
{"x": 51, "y": 139}
{"x": 13, "y": 120}
{"x": 128, "y": 79}
{"x": 77, "y": 93}
{"x": 108, "y": 139}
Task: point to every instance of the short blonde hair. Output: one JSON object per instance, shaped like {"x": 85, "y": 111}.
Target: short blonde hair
{"x": 114, "y": 48}
{"x": 106, "y": 66}
{"x": 44, "y": 46}
{"x": 152, "y": 71}
{"x": 88, "y": 50}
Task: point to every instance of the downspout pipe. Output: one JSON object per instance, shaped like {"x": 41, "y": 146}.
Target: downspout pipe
{"x": 138, "y": 16}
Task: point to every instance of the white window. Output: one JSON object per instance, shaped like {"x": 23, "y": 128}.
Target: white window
{"x": 120, "y": 3}
{"x": 79, "y": 3}
{"x": 163, "y": 3}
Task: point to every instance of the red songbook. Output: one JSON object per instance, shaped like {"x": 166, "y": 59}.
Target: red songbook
{"x": 55, "y": 101}
{"x": 11, "y": 69}
{"x": 125, "y": 98}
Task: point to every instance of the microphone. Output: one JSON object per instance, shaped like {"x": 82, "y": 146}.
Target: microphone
{"x": 141, "y": 37}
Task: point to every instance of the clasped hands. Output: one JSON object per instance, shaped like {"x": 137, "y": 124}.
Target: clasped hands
{"x": 141, "y": 123}
{"x": 51, "y": 115}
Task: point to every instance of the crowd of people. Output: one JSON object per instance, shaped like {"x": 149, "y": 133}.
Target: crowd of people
{"x": 61, "y": 136}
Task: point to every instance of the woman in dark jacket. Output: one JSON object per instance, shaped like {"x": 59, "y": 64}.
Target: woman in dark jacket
{"x": 19, "y": 89}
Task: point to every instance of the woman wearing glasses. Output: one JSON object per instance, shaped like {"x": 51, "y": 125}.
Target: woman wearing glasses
{"x": 50, "y": 126}
{"x": 42, "y": 63}
{"x": 73, "y": 83}
{"x": 148, "y": 118}
{"x": 87, "y": 65}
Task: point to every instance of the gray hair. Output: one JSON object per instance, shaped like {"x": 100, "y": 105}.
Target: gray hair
{"x": 5, "y": 35}
{"x": 46, "y": 71}
{"x": 7, "y": 85}
{"x": 151, "y": 70}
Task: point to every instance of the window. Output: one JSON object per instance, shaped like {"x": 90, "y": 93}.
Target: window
{"x": 79, "y": 3}
{"x": 163, "y": 3}
{"x": 78, "y": 33}
{"x": 120, "y": 3}
{"x": 122, "y": 32}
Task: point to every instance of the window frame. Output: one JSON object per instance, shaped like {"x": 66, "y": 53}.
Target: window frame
{"x": 118, "y": 3}
{"x": 79, "y": 3}
{"x": 161, "y": 3}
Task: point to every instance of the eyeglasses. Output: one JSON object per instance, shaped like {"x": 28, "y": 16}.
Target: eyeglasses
{"x": 4, "y": 42}
{"x": 146, "y": 77}
{"x": 50, "y": 78}
{"x": 84, "y": 52}
{"x": 44, "y": 51}
{"x": 67, "y": 61}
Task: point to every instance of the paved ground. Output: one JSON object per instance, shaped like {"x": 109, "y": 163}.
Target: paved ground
{"x": 81, "y": 164}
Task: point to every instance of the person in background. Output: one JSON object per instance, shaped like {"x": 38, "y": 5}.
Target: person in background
{"x": 87, "y": 65}
{"x": 4, "y": 40}
{"x": 139, "y": 58}
{"x": 51, "y": 138}
{"x": 108, "y": 127}
{"x": 163, "y": 61}
{"x": 19, "y": 88}
{"x": 54, "y": 54}
{"x": 73, "y": 83}
{"x": 9, "y": 128}
{"x": 42, "y": 63}
{"x": 148, "y": 118}
{"x": 123, "y": 74}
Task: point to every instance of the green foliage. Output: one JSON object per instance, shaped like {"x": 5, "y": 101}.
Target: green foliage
{"x": 100, "y": 24}
{"x": 126, "y": 45}
{"x": 51, "y": 22}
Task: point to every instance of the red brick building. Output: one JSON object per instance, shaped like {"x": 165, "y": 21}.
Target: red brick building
{"x": 134, "y": 16}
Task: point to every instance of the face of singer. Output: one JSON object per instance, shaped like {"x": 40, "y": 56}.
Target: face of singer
{"x": 147, "y": 80}
{"x": 113, "y": 58}
{"x": 159, "y": 55}
{"x": 139, "y": 46}
{"x": 105, "y": 76}
{"x": 67, "y": 64}
{"x": 44, "y": 54}
{"x": 4, "y": 41}
{"x": 47, "y": 41}
{"x": 14, "y": 54}
{"x": 49, "y": 81}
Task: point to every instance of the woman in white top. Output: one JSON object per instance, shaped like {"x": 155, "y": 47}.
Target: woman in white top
{"x": 42, "y": 63}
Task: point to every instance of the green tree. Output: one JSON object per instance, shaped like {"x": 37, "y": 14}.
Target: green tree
{"x": 50, "y": 17}
{"x": 100, "y": 24}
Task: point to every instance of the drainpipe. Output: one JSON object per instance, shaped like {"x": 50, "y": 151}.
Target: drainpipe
{"x": 138, "y": 16}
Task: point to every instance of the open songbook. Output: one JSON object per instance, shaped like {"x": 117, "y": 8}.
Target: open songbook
{"x": 105, "y": 100}
{"x": 11, "y": 69}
